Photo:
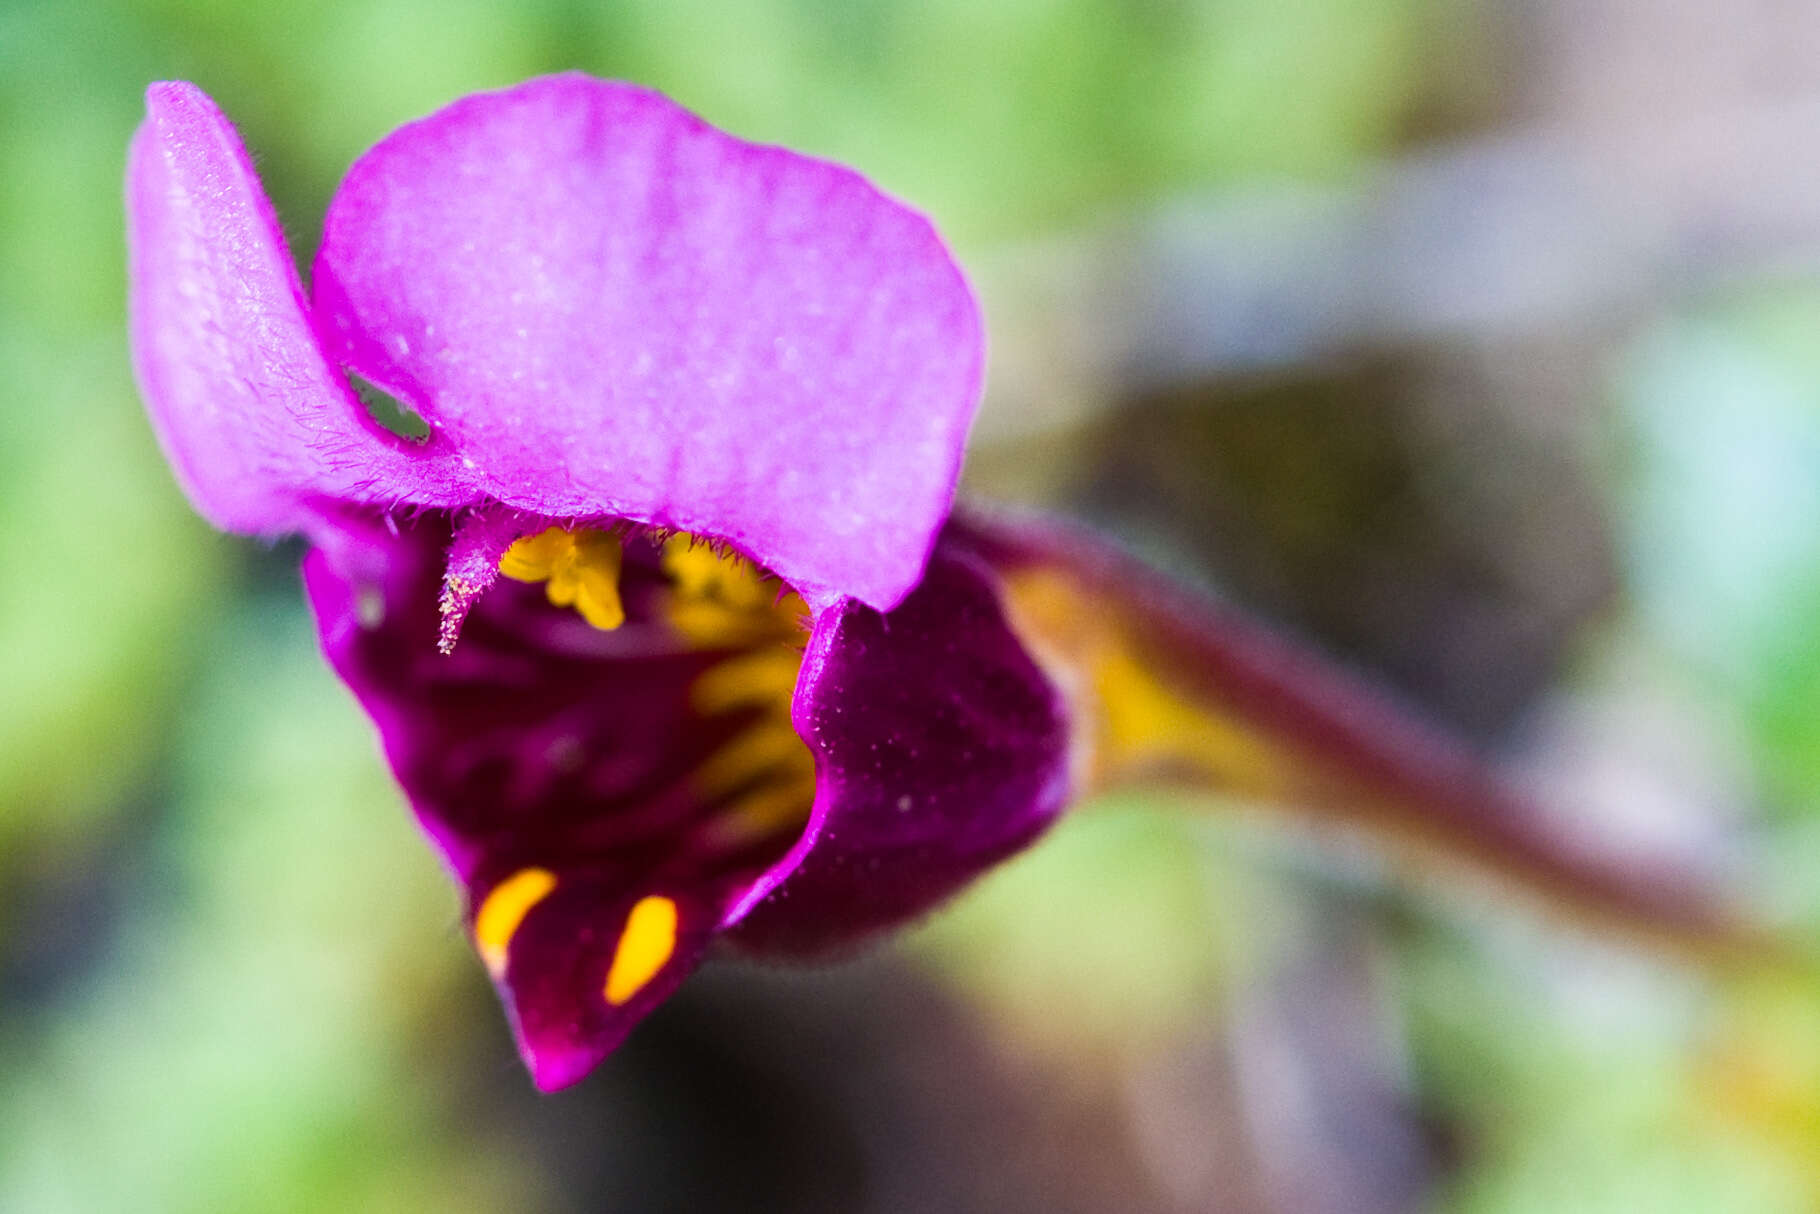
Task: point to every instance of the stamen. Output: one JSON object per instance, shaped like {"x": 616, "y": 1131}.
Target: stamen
{"x": 504, "y": 909}
{"x": 765, "y": 775}
{"x": 769, "y": 746}
{"x": 644, "y": 948}
{"x": 718, "y": 598}
{"x": 579, "y": 569}
{"x": 534, "y": 557}
{"x": 760, "y": 679}
{"x": 700, "y": 571}
{"x": 765, "y": 811}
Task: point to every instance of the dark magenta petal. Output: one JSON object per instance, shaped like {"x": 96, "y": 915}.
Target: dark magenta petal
{"x": 555, "y": 992}
{"x": 610, "y": 308}
{"x": 254, "y": 420}
{"x": 555, "y": 767}
{"x": 943, "y": 749}
{"x": 544, "y": 746}
{"x": 1172, "y": 685}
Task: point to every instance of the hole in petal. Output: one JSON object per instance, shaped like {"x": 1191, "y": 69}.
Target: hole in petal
{"x": 389, "y": 412}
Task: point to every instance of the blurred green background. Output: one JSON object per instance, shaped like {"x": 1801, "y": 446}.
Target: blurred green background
{"x": 1475, "y": 341}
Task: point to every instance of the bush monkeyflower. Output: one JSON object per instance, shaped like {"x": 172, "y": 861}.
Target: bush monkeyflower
{"x": 702, "y": 404}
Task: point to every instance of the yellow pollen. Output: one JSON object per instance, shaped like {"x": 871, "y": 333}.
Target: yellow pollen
{"x": 770, "y": 746}
{"x": 718, "y": 598}
{"x": 533, "y": 558}
{"x": 699, "y": 570}
{"x": 763, "y": 678}
{"x": 504, "y": 909}
{"x": 579, "y": 569}
{"x": 644, "y": 948}
{"x": 762, "y": 778}
{"x": 765, "y": 810}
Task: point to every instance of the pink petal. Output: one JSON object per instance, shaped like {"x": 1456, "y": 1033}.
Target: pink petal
{"x": 610, "y": 308}
{"x": 255, "y": 421}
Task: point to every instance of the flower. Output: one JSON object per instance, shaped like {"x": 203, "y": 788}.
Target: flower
{"x": 702, "y": 404}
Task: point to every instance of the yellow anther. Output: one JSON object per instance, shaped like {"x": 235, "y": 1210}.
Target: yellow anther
{"x": 504, "y": 909}
{"x": 764, "y": 678}
{"x": 769, "y": 747}
{"x": 766, "y": 810}
{"x": 712, "y": 624}
{"x": 597, "y": 582}
{"x": 764, "y": 777}
{"x": 718, "y": 598}
{"x": 698, "y": 571}
{"x": 691, "y": 565}
{"x": 534, "y": 557}
{"x": 579, "y": 569}
{"x": 645, "y": 947}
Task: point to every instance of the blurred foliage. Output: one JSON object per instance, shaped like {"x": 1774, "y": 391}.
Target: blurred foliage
{"x": 246, "y": 1044}
{"x": 230, "y": 975}
{"x": 1723, "y": 483}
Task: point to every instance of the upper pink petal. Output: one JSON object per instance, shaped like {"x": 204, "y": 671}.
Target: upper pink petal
{"x": 610, "y": 308}
{"x": 254, "y": 419}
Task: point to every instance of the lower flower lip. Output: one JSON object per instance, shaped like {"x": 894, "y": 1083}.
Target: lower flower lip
{"x": 938, "y": 705}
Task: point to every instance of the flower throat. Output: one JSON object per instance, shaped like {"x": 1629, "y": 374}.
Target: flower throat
{"x": 763, "y": 780}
